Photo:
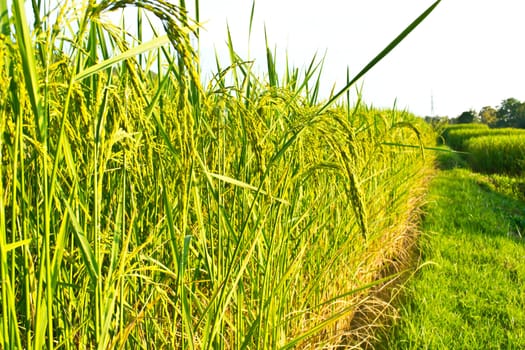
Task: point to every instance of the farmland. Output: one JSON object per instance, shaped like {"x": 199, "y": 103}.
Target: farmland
{"x": 141, "y": 207}
{"x": 144, "y": 206}
{"x": 468, "y": 292}
{"x": 499, "y": 150}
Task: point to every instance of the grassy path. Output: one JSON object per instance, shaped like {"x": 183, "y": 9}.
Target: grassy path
{"x": 471, "y": 292}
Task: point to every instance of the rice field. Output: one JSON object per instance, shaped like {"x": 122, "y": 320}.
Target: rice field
{"x": 143, "y": 207}
{"x": 489, "y": 150}
{"x": 497, "y": 154}
{"x": 457, "y": 137}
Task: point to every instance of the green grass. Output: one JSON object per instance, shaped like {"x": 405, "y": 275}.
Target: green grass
{"x": 511, "y": 186}
{"x": 469, "y": 292}
{"x": 445, "y": 129}
{"x": 457, "y": 137}
{"x": 487, "y": 150}
{"x": 471, "y": 126}
{"x": 497, "y": 154}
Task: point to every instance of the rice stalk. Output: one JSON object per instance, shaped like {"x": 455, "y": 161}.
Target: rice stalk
{"x": 146, "y": 208}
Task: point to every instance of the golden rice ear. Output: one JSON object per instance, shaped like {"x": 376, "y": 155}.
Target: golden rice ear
{"x": 178, "y": 26}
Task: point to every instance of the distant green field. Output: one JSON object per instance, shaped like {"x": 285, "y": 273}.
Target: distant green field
{"x": 457, "y": 137}
{"x": 497, "y": 154}
{"x": 489, "y": 150}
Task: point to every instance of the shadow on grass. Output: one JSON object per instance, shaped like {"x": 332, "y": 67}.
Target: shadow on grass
{"x": 511, "y": 185}
{"x": 469, "y": 202}
{"x": 469, "y": 294}
{"x": 448, "y": 159}
{"x": 487, "y": 204}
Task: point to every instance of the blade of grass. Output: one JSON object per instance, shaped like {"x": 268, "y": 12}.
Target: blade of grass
{"x": 4, "y": 18}
{"x": 241, "y": 184}
{"x": 150, "y": 45}
{"x": 27, "y": 54}
{"x": 381, "y": 55}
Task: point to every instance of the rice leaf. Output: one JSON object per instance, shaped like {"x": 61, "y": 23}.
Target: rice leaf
{"x": 381, "y": 55}
{"x": 150, "y": 45}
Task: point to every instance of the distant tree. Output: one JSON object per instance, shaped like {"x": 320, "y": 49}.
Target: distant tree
{"x": 508, "y": 113}
{"x": 520, "y": 116}
{"x": 488, "y": 115}
{"x": 467, "y": 117}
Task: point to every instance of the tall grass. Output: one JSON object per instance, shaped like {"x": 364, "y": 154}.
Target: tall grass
{"x": 497, "y": 154}
{"x": 448, "y": 128}
{"x": 488, "y": 150}
{"x": 457, "y": 138}
{"x": 144, "y": 209}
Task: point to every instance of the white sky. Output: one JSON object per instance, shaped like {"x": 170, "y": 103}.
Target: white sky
{"x": 468, "y": 53}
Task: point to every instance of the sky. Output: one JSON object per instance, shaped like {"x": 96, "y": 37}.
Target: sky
{"x": 466, "y": 55}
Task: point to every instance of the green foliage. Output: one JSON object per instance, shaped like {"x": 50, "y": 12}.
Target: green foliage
{"x": 455, "y": 135}
{"x": 466, "y": 126}
{"x": 511, "y": 186}
{"x": 497, "y": 154}
{"x": 468, "y": 292}
{"x": 458, "y": 137}
{"x": 488, "y": 115}
{"x": 488, "y": 150}
{"x": 143, "y": 209}
{"x": 467, "y": 117}
{"x": 511, "y": 113}
{"x": 451, "y": 127}
{"x": 447, "y": 159}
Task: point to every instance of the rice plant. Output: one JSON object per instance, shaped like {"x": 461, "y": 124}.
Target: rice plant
{"x": 141, "y": 207}
{"x": 457, "y": 138}
{"x": 497, "y": 154}
{"x": 447, "y": 128}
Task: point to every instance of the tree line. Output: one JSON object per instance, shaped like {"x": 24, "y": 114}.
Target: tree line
{"x": 510, "y": 113}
